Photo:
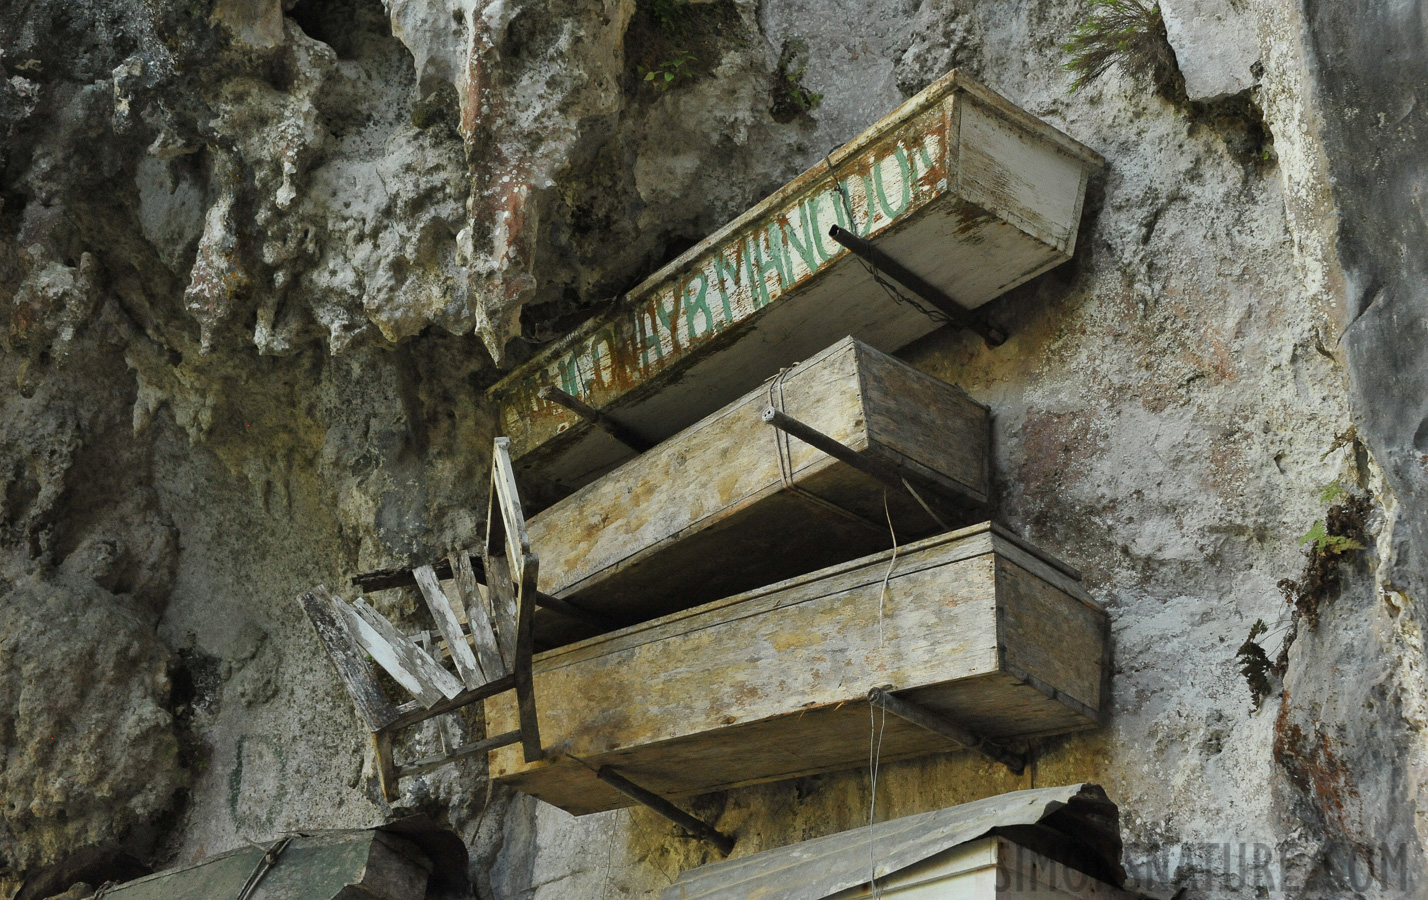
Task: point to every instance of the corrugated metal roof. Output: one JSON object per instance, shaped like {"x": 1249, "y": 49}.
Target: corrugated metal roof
{"x": 1079, "y": 815}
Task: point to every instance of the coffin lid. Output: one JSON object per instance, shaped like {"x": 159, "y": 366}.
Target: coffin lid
{"x": 317, "y": 865}
{"x": 1077, "y": 825}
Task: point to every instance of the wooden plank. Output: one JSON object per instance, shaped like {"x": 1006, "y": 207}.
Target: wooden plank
{"x": 478, "y": 616}
{"x": 355, "y": 672}
{"x": 522, "y": 666}
{"x": 501, "y": 593}
{"x": 407, "y": 663}
{"x": 660, "y": 529}
{"x": 970, "y": 192}
{"x": 450, "y": 627}
{"x": 475, "y": 748}
{"x": 1054, "y": 642}
{"x": 506, "y": 500}
{"x": 772, "y": 684}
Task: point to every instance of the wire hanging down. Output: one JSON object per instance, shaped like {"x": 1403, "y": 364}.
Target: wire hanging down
{"x": 943, "y": 308}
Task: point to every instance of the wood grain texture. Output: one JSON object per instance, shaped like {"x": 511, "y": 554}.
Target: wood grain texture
{"x": 478, "y": 616}
{"x": 450, "y": 627}
{"x": 407, "y": 663}
{"x": 659, "y": 533}
{"x": 353, "y": 669}
{"x": 709, "y": 326}
{"x": 772, "y": 683}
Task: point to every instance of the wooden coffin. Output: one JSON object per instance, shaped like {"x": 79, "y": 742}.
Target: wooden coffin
{"x": 733, "y": 503}
{"x": 976, "y": 625}
{"x": 957, "y": 185}
{"x": 1067, "y": 844}
{"x": 326, "y": 866}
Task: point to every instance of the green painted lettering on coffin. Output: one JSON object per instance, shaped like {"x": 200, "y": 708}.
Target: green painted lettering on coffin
{"x": 648, "y": 339}
{"x": 569, "y": 372}
{"x": 758, "y": 267}
{"x": 905, "y": 170}
{"x": 726, "y": 276}
{"x": 669, "y": 317}
{"x": 695, "y": 303}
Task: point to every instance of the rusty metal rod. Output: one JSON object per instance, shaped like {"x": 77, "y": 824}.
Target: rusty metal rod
{"x": 384, "y": 579}
{"x": 617, "y": 430}
{"x": 925, "y": 718}
{"x": 701, "y": 830}
{"x": 955, "y": 312}
{"x": 841, "y": 452}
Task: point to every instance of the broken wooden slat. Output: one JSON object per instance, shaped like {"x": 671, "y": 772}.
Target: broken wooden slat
{"x": 660, "y": 532}
{"x": 411, "y": 666}
{"x": 506, "y": 502}
{"x": 502, "y": 595}
{"x": 450, "y": 627}
{"x": 355, "y": 672}
{"x": 386, "y": 579}
{"x": 478, "y": 618}
{"x": 773, "y": 683}
{"x": 412, "y": 712}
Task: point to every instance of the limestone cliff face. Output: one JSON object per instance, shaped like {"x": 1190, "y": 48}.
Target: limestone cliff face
{"x": 259, "y": 259}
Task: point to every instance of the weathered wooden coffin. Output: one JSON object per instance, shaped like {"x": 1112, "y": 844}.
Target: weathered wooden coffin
{"x": 976, "y": 625}
{"x": 327, "y": 866}
{"x": 958, "y": 185}
{"x": 733, "y": 503}
{"x": 1072, "y": 849}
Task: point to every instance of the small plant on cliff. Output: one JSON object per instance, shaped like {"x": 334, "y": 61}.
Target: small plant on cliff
{"x": 1329, "y": 541}
{"x": 663, "y": 75}
{"x": 1126, "y": 33}
{"x": 790, "y": 98}
{"x": 1255, "y": 665}
{"x": 1340, "y": 532}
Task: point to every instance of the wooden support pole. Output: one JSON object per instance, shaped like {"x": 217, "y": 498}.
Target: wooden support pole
{"x": 924, "y": 718}
{"x": 694, "y": 827}
{"x": 428, "y": 763}
{"x": 820, "y": 441}
{"x": 617, "y": 430}
{"x": 956, "y": 314}
{"x": 384, "y": 579}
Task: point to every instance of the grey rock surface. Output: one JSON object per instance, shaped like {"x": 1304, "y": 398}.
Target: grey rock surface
{"x": 1216, "y": 45}
{"x": 258, "y": 262}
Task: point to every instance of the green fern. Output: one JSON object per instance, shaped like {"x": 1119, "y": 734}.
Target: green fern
{"x": 1333, "y": 544}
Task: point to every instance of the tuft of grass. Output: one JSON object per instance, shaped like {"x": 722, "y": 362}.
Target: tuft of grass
{"x": 1125, "y": 33}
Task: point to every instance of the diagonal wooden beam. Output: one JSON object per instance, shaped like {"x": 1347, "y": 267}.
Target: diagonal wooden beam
{"x": 450, "y": 627}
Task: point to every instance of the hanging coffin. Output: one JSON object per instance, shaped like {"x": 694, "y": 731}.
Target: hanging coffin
{"x": 958, "y": 186}
{"x": 977, "y": 630}
{"x": 733, "y": 502}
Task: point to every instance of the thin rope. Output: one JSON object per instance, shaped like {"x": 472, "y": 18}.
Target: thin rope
{"x": 785, "y": 462}
{"x": 883, "y": 594}
{"x": 888, "y": 287}
{"x": 265, "y": 864}
{"x": 610, "y": 853}
{"x": 875, "y": 755}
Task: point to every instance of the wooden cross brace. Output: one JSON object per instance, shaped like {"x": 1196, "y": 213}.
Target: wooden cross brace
{"x": 491, "y": 653}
